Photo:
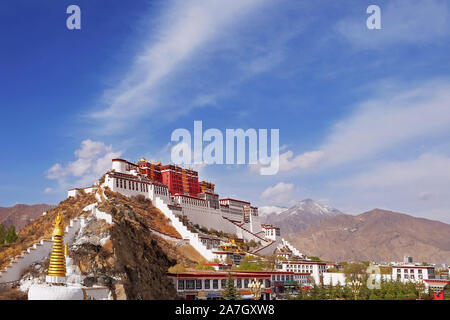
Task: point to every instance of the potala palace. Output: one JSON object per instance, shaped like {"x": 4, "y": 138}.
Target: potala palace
{"x": 193, "y": 209}
{"x": 178, "y": 193}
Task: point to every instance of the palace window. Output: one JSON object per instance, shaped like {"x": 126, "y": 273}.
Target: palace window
{"x": 198, "y": 284}
{"x": 180, "y": 284}
{"x": 190, "y": 284}
{"x": 215, "y": 284}
{"x": 207, "y": 284}
{"x": 223, "y": 283}
{"x": 239, "y": 283}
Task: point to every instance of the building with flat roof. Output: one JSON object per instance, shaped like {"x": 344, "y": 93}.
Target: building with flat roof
{"x": 209, "y": 285}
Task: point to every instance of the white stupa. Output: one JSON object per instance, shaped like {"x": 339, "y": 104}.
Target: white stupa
{"x": 57, "y": 286}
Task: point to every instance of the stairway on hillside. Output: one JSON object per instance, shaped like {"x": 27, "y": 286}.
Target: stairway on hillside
{"x": 37, "y": 252}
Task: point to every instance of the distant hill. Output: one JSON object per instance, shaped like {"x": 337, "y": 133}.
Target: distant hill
{"x": 377, "y": 235}
{"x": 21, "y": 214}
{"x": 299, "y": 216}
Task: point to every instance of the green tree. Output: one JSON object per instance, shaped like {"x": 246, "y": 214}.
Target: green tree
{"x": 313, "y": 258}
{"x": 373, "y": 296}
{"x": 11, "y": 235}
{"x": 178, "y": 268}
{"x": 201, "y": 266}
{"x": 230, "y": 292}
{"x": 300, "y": 294}
{"x": 314, "y": 293}
{"x": 388, "y": 296}
{"x": 322, "y": 292}
{"x": 2, "y": 234}
{"x": 356, "y": 276}
{"x": 250, "y": 263}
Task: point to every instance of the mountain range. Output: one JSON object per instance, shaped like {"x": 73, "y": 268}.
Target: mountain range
{"x": 377, "y": 235}
{"x": 319, "y": 230}
{"x": 299, "y": 216}
{"x": 21, "y": 214}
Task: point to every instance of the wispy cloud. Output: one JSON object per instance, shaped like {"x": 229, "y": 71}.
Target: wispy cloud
{"x": 187, "y": 28}
{"x": 282, "y": 193}
{"x": 379, "y": 125}
{"x": 419, "y": 185}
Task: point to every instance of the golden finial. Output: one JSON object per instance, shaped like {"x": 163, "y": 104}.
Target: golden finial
{"x": 143, "y": 160}
{"x": 58, "y": 230}
{"x": 57, "y": 267}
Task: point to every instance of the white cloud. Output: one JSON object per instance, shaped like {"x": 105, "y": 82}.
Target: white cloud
{"x": 266, "y": 210}
{"x": 187, "y": 28}
{"x": 429, "y": 171}
{"x": 280, "y": 193}
{"x": 93, "y": 160}
{"x": 419, "y": 186}
{"x": 379, "y": 125}
{"x": 302, "y": 161}
{"x": 403, "y": 22}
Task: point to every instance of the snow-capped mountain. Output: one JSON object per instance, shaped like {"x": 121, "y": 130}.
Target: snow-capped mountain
{"x": 309, "y": 206}
{"x": 299, "y": 216}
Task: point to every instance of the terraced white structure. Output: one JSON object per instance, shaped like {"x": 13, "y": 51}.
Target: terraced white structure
{"x": 230, "y": 216}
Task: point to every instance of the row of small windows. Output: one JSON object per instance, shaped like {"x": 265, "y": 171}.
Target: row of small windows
{"x": 288, "y": 277}
{"x": 194, "y": 202}
{"x": 410, "y": 271}
{"x": 208, "y": 284}
{"x": 161, "y": 190}
{"x": 302, "y": 267}
{"x": 412, "y": 276}
{"x": 131, "y": 185}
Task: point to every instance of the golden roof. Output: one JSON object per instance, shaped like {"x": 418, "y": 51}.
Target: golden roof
{"x": 143, "y": 160}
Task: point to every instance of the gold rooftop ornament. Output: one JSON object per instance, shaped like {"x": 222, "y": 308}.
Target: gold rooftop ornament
{"x": 57, "y": 267}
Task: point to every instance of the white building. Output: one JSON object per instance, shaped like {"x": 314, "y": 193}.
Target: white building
{"x": 314, "y": 268}
{"x": 235, "y": 217}
{"x": 411, "y": 272}
{"x": 271, "y": 232}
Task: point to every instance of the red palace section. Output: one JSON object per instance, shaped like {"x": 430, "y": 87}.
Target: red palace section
{"x": 177, "y": 179}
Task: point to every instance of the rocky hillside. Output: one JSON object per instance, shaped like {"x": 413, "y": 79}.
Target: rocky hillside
{"x": 300, "y": 216}
{"x": 42, "y": 226}
{"x": 377, "y": 235}
{"x": 124, "y": 256}
{"x": 21, "y": 214}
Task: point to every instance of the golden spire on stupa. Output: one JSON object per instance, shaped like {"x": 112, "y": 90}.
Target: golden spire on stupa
{"x": 57, "y": 267}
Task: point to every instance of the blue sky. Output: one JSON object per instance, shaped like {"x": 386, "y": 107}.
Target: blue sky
{"x": 364, "y": 115}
